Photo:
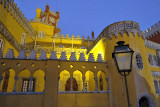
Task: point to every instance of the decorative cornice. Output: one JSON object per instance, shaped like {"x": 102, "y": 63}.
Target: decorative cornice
{"x": 152, "y": 45}
{"x": 154, "y": 30}
{"x": 4, "y": 31}
{"x": 63, "y": 57}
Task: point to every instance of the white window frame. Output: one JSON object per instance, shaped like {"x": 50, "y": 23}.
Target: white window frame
{"x": 1, "y": 44}
{"x": 23, "y": 39}
{"x": 41, "y": 34}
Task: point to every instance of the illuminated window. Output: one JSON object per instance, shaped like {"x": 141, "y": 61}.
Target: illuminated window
{"x": 23, "y": 39}
{"x": 26, "y": 85}
{"x": 139, "y": 61}
{"x": 1, "y": 44}
{"x": 41, "y": 34}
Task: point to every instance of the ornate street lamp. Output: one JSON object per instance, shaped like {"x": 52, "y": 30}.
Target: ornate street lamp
{"x": 123, "y": 58}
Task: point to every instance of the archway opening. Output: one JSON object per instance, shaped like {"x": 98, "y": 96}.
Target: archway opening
{"x": 64, "y": 77}
{"x": 39, "y": 80}
{"x": 102, "y": 83}
{"x": 8, "y": 80}
{"x": 74, "y": 85}
{"x": 143, "y": 102}
{"x": 89, "y": 81}
{"x": 77, "y": 75}
{"x": 23, "y": 81}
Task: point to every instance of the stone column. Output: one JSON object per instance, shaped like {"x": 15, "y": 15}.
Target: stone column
{"x": 44, "y": 84}
{"x": 71, "y": 79}
{"x": 30, "y": 84}
{"x": 96, "y": 85}
{"x": 107, "y": 79}
{"x": 84, "y": 83}
{"x": 58, "y": 85}
{"x": 15, "y": 84}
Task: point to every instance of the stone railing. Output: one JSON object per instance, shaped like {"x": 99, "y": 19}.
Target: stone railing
{"x": 122, "y": 27}
{"x": 154, "y": 30}
{"x": 152, "y": 45}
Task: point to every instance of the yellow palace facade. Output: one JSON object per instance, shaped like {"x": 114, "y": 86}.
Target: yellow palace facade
{"x": 39, "y": 67}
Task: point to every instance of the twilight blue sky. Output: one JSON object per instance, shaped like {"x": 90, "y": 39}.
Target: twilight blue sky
{"x": 80, "y": 17}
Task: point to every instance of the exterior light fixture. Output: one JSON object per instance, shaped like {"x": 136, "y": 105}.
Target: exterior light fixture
{"x": 122, "y": 56}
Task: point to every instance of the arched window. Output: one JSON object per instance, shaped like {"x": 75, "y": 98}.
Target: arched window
{"x": 139, "y": 61}
{"x": 23, "y": 39}
{"x": 41, "y": 34}
{"x": 1, "y": 44}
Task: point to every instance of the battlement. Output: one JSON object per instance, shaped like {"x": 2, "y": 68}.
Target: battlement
{"x": 53, "y": 56}
{"x": 74, "y": 37}
{"x": 18, "y": 16}
{"x": 153, "y": 30}
{"x": 152, "y": 45}
{"x": 122, "y": 27}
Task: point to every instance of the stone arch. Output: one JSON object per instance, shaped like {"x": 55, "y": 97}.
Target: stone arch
{"x": 7, "y": 84}
{"x": 89, "y": 81}
{"x": 101, "y": 80}
{"x": 77, "y": 75}
{"x": 40, "y": 81}
{"x": 24, "y": 74}
{"x": 64, "y": 76}
{"x": 148, "y": 97}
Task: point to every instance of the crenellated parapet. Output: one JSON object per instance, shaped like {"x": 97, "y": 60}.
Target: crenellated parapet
{"x": 18, "y": 16}
{"x": 152, "y": 45}
{"x": 122, "y": 27}
{"x": 61, "y": 36}
{"x": 53, "y": 56}
{"x": 153, "y": 30}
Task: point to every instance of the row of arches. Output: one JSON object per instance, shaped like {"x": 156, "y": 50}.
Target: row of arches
{"x": 23, "y": 82}
{"x": 89, "y": 82}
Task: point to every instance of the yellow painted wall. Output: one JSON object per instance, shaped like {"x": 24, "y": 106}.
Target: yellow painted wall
{"x": 39, "y": 75}
{"x": 11, "y": 24}
{"x": 7, "y": 45}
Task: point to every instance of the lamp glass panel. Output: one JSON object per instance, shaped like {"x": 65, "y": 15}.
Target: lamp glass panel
{"x": 123, "y": 60}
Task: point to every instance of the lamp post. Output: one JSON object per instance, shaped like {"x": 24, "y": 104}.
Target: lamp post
{"x": 122, "y": 56}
